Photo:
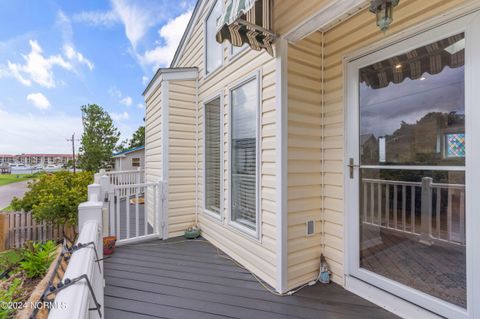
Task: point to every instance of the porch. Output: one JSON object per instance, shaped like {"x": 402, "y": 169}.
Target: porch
{"x": 192, "y": 279}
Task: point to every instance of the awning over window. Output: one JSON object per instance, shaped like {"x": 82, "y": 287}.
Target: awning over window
{"x": 247, "y": 21}
{"x": 432, "y": 59}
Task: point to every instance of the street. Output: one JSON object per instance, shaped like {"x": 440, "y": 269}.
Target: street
{"x": 7, "y": 192}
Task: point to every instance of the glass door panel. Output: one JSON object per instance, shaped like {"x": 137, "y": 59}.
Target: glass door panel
{"x": 412, "y": 169}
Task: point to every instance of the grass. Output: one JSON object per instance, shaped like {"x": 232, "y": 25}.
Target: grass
{"x": 14, "y": 178}
{"x": 9, "y": 208}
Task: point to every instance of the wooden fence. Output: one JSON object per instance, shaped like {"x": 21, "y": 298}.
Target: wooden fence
{"x": 16, "y": 228}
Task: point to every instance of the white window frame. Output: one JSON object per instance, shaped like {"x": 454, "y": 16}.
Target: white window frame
{"x": 218, "y": 217}
{"x": 388, "y": 293}
{"x": 207, "y": 74}
{"x": 252, "y": 233}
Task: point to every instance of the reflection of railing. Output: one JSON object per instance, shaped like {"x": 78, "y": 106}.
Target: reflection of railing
{"x": 432, "y": 211}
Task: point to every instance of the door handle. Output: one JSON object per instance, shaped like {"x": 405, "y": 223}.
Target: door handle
{"x": 352, "y": 166}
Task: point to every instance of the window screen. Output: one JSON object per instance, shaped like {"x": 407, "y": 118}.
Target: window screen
{"x": 213, "y": 156}
{"x": 244, "y": 105}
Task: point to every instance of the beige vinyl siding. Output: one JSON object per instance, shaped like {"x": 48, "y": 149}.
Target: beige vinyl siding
{"x": 287, "y": 14}
{"x": 181, "y": 156}
{"x": 304, "y": 159}
{"x": 153, "y": 140}
{"x": 257, "y": 255}
{"x": 356, "y": 33}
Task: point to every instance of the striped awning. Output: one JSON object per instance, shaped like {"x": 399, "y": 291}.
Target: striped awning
{"x": 247, "y": 21}
{"x": 431, "y": 59}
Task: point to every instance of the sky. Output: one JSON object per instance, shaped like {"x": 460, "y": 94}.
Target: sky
{"x": 56, "y": 56}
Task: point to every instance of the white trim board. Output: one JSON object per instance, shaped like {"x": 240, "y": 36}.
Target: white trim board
{"x": 281, "y": 106}
{"x": 169, "y": 74}
{"x": 165, "y": 144}
{"x": 324, "y": 18}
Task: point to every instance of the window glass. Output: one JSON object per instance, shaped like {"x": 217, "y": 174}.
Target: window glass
{"x": 413, "y": 107}
{"x": 213, "y": 156}
{"x": 213, "y": 48}
{"x": 136, "y": 162}
{"x": 244, "y": 105}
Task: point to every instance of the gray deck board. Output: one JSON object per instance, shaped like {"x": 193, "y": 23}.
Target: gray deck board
{"x": 158, "y": 279}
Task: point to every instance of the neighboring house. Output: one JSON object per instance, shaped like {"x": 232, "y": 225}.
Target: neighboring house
{"x": 264, "y": 150}
{"x": 130, "y": 159}
{"x": 38, "y": 159}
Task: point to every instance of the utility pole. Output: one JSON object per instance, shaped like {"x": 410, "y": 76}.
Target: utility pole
{"x": 73, "y": 152}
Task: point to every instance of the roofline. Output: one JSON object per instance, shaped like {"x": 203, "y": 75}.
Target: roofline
{"x": 138, "y": 148}
{"x": 187, "y": 32}
{"x": 161, "y": 71}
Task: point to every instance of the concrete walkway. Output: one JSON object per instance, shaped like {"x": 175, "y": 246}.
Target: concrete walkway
{"x": 7, "y": 192}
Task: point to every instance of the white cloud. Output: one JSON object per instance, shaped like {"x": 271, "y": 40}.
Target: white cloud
{"x": 37, "y": 67}
{"x": 76, "y": 56}
{"x": 136, "y": 18}
{"x": 127, "y": 101}
{"x": 119, "y": 116}
{"x": 114, "y": 92}
{"x": 25, "y": 133}
{"x": 39, "y": 100}
{"x": 140, "y": 105}
{"x": 171, "y": 34}
{"x": 97, "y": 18}
{"x": 145, "y": 80}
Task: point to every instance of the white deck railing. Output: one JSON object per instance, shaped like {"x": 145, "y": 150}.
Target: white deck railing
{"x": 84, "y": 298}
{"x": 394, "y": 205}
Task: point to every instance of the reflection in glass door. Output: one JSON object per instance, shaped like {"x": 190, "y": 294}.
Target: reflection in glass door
{"x": 412, "y": 169}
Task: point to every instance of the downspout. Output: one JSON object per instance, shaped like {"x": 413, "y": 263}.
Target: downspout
{"x": 196, "y": 151}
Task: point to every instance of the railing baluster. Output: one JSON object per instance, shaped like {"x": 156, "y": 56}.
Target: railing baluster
{"x": 438, "y": 211}
{"x": 395, "y": 200}
{"x": 462, "y": 217}
{"x": 127, "y": 207}
{"x": 449, "y": 215}
{"x": 387, "y": 205}
{"x": 404, "y": 207}
{"x": 379, "y": 204}
{"x": 145, "y": 213}
{"x": 413, "y": 216}
{"x": 117, "y": 208}
{"x": 136, "y": 212}
{"x": 372, "y": 201}
{"x": 155, "y": 204}
{"x": 365, "y": 196}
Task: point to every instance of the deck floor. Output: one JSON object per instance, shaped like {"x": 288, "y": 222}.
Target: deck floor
{"x": 189, "y": 279}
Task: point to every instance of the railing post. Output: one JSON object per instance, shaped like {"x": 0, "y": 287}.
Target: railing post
{"x": 426, "y": 212}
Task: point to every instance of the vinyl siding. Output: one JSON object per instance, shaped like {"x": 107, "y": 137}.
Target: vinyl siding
{"x": 258, "y": 255}
{"x": 153, "y": 140}
{"x": 304, "y": 159}
{"x": 181, "y": 156}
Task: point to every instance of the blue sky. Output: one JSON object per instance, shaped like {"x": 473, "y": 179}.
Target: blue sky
{"x": 58, "y": 55}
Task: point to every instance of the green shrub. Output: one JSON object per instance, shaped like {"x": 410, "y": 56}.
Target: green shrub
{"x": 8, "y": 294}
{"x": 55, "y": 197}
{"x": 38, "y": 258}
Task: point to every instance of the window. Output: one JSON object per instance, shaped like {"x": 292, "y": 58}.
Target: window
{"x": 236, "y": 50}
{"x": 135, "y": 162}
{"x": 213, "y": 49}
{"x": 244, "y": 107}
{"x": 213, "y": 156}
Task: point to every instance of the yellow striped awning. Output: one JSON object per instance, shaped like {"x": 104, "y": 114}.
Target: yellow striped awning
{"x": 247, "y": 21}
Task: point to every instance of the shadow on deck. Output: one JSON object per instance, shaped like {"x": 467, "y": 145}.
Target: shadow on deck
{"x": 189, "y": 279}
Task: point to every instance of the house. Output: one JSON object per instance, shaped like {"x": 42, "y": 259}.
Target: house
{"x": 130, "y": 159}
{"x": 262, "y": 148}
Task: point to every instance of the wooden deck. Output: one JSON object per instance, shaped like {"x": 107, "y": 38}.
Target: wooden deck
{"x": 190, "y": 279}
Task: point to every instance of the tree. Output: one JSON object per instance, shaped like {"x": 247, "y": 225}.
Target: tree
{"x": 138, "y": 138}
{"x": 98, "y": 139}
{"x": 54, "y": 198}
